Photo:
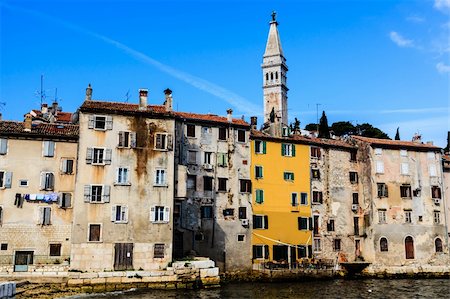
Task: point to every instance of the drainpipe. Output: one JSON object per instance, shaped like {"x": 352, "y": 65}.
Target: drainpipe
{"x": 444, "y": 203}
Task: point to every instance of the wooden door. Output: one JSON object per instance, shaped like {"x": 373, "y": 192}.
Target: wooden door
{"x": 123, "y": 256}
{"x": 409, "y": 248}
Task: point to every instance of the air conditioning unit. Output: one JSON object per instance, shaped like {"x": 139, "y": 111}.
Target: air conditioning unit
{"x": 437, "y": 201}
{"x": 207, "y": 166}
{"x": 244, "y": 222}
{"x": 355, "y": 207}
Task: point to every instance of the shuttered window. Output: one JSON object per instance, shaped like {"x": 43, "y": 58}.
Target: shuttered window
{"x": 100, "y": 122}
{"x": 3, "y": 146}
{"x": 160, "y": 214}
{"x": 5, "y": 179}
{"x": 45, "y": 215}
{"x": 47, "y": 181}
{"x": 49, "y": 148}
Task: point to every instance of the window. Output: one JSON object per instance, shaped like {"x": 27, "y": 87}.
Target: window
{"x": 206, "y": 212}
{"x": 4, "y": 246}
{"x": 315, "y": 152}
{"x": 245, "y": 186}
{"x": 285, "y": 131}
{"x": 96, "y": 193}
{"x": 258, "y": 172}
{"x": 65, "y": 200}
{"x": 55, "y": 249}
{"x": 260, "y": 147}
{"x": 158, "y": 251}
{"x": 241, "y": 135}
{"x": 378, "y": 151}
{"x": 294, "y": 199}
{"x": 190, "y": 130}
{"x": 302, "y": 223}
{"x": 3, "y": 146}
{"x": 435, "y": 192}
{"x": 381, "y": 216}
{"x": 301, "y": 251}
{"x": 288, "y": 150}
{"x": 304, "y": 198}
{"x": 380, "y": 167}
{"x": 191, "y": 182}
{"x": 228, "y": 212}
{"x": 160, "y": 177}
{"x": 409, "y": 247}
{"x": 317, "y": 245}
{"x": 355, "y": 198}
{"x": 1, "y": 215}
{"x": 353, "y": 177}
{"x": 383, "y": 245}
{"x": 127, "y": 139}
{"x": 119, "y": 214}
{"x": 207, "y": 183}
{"x": 45, "y": 215}
{"x": 122, "y": 176}
{"x": 356, "y": 226}
{"x": 159, "y": 214}
{"x": 95, "y": 232}
{"x": 315, "y": 173}
{"x": 23, "y": 183}
{"x": 206, "y": 131}
{"x": 382, "y": 190}
{"x": 403, "y": 153}
{"x": 259, "y": 196}
{"x": 437, "y": 217}
{"x": 353, "y": 156}
{"x": 207, "y": 158}
{"x": 288, "y": 176}
{"x": 222, "y": 134}
{"x": 222, "y": 159}
{"x": 5, "y": 179}
{"x": 49, "y": 148}
{"x": 192, "y": 157}
{"x": 241, "y": 238}
{"x": 222, "y": 184}
{"x": 260, "y": 222}
{"x": 67, "y": 166}
{"x": 404, "y": 168}
{"x": 405, "y": 191}
{"x": 407, "y": 216}
{"x": 242, "y": 213}
{"x": 433, "y": 171}
{"x": 47, "y": 181}
{"x": 98, "y": 156}
{"x": 99, "y": 122}
{"x": 317, "y": 197}
{"x": 330, "y": 225}
{"x": 438, "y": 245}
{"x": 337, "y": 244}
{"x": 162, "y": 141}
{"x": 260, "y": 251}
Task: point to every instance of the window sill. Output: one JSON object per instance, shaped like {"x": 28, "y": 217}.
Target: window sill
{"x": 160, "y": 185}
{"x": 95, "y": 241}
{"x": 97, "y": 202}
{"x": 120, "y": 222}
{"x": 316, "y": 203}
{"x": 98, "y": 164}
{"x": 124, "y": 147}
{"x": 160, "y": 222}
{"x": 161, "y": 149}
{"x": 66, "y": 173}
{"x": 122, "y": 184}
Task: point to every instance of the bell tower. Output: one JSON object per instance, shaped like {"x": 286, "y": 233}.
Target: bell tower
{"x": 274, "y": 71}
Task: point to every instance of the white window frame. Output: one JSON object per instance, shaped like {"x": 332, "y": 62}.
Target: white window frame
{"x": 62, "y": 204}
{"x": 123, "y": 176}
{"x": 160, "y": 177}
{"x": 301, "y": 197}
{"x": 436, "y": 217}
{"x": 165, "y": 141}
{"x": 3, "y": 146}
{"x": 263, "y": 221}
{"x": 94, "y": 158}
{"x": 105, "y": 194}
{"x": 6, "y": 179}
{"x": 44, "y": 183}
{"x": 382, "y": 216}
{"x": 379, "y": 167}
{"x": 207, "y": 158}
{"x": 93, "y": 119}
{"x": 263, "y": 252}
{"x": 156, "y": 212}
{"x": 259, "y": 146}
{"x": 317, "y": 245}
{"x": 47, "y": 150}
{"x": 21, "y": 185}
{"x": 121, "y": 211}
{"x": 100, "y": 239}
{"x": 287, "y": 149}
{"x": 64, "y": 165}
{"x": 126, "y": 139}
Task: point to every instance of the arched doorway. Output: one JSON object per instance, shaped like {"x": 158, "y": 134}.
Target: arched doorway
{"x": 438, "y": 245}
{"x": 409, "y": 247}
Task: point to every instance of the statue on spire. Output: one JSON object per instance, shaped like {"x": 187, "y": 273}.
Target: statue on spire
{"x": 274, "y": 16}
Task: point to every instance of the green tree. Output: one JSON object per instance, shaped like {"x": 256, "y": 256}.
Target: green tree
{"x": 367, "y": 130}
{"x": 324, "y": 130}
{"x": 397, "y": 135}
{"x": 311, "y": 127}
{"x": 342, "y": 128}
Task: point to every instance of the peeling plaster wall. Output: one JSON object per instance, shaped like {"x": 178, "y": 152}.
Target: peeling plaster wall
{"x": 139, "y": 196}
{"x": 215, "y": 237}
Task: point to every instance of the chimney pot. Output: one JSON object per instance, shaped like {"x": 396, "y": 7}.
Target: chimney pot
{"x": 44, "y": 108}
{"x": 27, "y": 122}
{"x": 143, "y": 96}
{"x": 229, "y": 115}
{"x": 169, "y": 101}
{"x": 88, "y": 93}
{"x": 253, "y": 122}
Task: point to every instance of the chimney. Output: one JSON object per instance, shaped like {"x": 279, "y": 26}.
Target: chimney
{"x": 253, "y": 122}
{"x": 27, "y": 122}
{"x": 143, "y": 95}
{"x": 229, "y": 115}
{"x": 168, "y": 101}
{"x": 429, "y": 142}
{"x": 88, "y": 93}
{"x": 55, "y": 107}
{"x": 44, "y": 108}
{"x": 417, "y": 138}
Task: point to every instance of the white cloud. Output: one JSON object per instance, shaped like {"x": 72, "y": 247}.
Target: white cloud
{"x": 443, "y": 68}
{"x": 442, "y": 4}
{"x": 415, "y": 19}
{"x": 400, "y": 40}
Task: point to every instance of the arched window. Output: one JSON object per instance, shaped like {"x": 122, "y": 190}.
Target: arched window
{"x": 409, "y": 247}
{"x": 271, "y": 76}
{"x": 383, "y": 244}
{"x": 267, "y": 76}
{"x": 438, "y": 245}
{"x": 276, "y": 75}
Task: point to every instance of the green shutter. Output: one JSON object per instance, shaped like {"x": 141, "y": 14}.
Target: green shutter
{"x": 259, "y": 196}
{"x": 292, "y": 176}
{"x": 293, "y": 150}
{"x": 283, "y": 149}
{"x": 264, "y": 147}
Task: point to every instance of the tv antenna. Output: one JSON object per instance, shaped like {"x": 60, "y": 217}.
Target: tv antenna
{"x": 127, "y": 96}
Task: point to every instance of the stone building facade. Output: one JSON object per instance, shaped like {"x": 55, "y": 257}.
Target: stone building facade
{"x": 124, "y": 194}
{"x": 37, "y": 184}
{"x": 402, "y": 203}
{"x": 213, "y": 189}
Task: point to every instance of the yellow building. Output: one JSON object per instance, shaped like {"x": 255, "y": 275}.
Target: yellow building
{"x": 281, "y": 205}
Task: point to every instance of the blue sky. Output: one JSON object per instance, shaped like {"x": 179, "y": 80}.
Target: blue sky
{"x": 382, "y": 62}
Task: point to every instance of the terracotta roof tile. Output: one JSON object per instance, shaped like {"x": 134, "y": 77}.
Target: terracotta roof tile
{"x": 395, "y": 143}
{"x": 62, "y": 117}
{"x": 210, "y": 118}
{"x": 120, "y": 107}
{"x": 12, "y": 128}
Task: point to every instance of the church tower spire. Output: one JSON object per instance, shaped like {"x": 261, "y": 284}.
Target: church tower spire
{"x": 274, "y": 70}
